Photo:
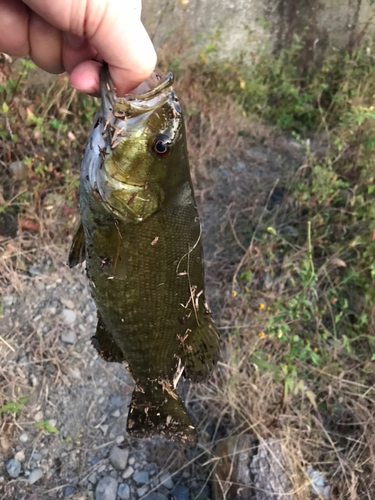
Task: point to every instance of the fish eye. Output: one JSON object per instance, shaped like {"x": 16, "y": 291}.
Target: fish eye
{"x": 162, "y": 145}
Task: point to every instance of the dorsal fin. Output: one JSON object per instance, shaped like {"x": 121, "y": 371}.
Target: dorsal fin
{"x": 77, "y": 248}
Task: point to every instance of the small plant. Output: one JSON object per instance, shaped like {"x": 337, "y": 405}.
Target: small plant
{"x": 46, "y": 426}
{"x": 14, "y": 406}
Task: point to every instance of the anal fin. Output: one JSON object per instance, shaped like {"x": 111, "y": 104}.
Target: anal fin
{"x": 77, "y": 248}
{"x": 105, "y": 344}
{"x": 201, "y": 350}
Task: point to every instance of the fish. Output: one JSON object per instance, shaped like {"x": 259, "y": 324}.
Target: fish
{"x": 140, "y": 235}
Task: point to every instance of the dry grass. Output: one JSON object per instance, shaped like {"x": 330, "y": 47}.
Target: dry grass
{"x": 328, "y": 419}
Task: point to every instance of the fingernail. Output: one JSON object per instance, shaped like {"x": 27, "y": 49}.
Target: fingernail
{"x": 74, "y": 40}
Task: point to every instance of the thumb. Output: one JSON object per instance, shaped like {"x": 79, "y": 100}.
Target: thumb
{"x": 122, "y": 41}
{"x": 113, "y": 28}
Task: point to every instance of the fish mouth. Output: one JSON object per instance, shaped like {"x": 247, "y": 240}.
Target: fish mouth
{"x": 133, "y": 104}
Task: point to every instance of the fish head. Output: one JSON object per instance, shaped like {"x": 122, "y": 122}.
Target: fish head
{"x": 144, "y": 145}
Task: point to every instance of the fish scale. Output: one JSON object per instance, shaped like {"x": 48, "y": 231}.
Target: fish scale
{"x": 140, "y": 235}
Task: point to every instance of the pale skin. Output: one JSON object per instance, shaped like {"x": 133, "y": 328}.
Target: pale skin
{"x": 75, "y": 35}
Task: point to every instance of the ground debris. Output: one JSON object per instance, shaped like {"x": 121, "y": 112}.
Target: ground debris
{"x": 247, "y": 470}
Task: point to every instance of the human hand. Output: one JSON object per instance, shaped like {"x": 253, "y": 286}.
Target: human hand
{"x": 73, "y": 35}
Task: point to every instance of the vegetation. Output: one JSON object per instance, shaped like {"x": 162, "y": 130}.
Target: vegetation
{"x": 298, "y": 354}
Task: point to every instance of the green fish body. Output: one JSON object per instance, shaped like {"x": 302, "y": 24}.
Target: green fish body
{"x": 140, "y": 234}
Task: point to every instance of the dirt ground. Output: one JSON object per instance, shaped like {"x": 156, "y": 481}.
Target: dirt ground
{"x": 48, "y": 319}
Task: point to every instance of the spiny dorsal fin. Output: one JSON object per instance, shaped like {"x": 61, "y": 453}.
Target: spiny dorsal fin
{"x": 105, "y": 344}
{"x": 77, "y": 248}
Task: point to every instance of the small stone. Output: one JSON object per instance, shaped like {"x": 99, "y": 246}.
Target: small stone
{"x": 38, "y": 417}
{"x": 131, "y": 461}
{"x": 36, "y": 456}
{"x": 142, "y": 491}
{"x": 53, "y": 422}
{"x": 180, "y": 492}
{"x": 141, "y": 477}
{"x": 20, "y": 456}
{"x": 13, "y": 468}
{"x": 69, "y": 490}
{"x": 35, "y": 475}
{"x": 68, "y": 337}
{"x": 119, "y": 439}
{"x": 67, "y": 303}
{"x": 106, "y": 489}
{"x": 104, "y": 428}
{"x": 68, "y": 316}
{"x": 128, "y": 472}
{"x": 123, "y": 491}
{"x": 116, "y": 413}
{"x": 93, "y": 478}
{"x": 8, "y": 300}
{"x": 115, "y": 400}
{"x": 118, "y": 457}
{"x": 166, "y": 480}
{"x": 24, "y": 437}
{"x": 18, "y": 170}
{"x": 156, "y": 495}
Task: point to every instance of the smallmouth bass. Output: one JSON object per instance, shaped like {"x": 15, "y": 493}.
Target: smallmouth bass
{"x": 140, "y": 235}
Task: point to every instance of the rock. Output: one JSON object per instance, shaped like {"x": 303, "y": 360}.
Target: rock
{"x": 120, "y": 439}
{"x": 123, "y": 491}
{"x": 13, "y": 468}
{"x": 68, "y": 303}
{"x": 116, "y": 413}
{"x": 104, "y": 428}
{"x": 141, "y": 477}
{"x": 318, "y": 480}
{"x": 93, "y": 478}
{"x": 69, "y": 490}
{"x": 115, "y": 400}
{"x": 24, "y": 437}
{"x": 118, "y": 457}
{"x": 128, "y": 472}
{"x": 156, "y": 495}
{"x": 106, "y": 489}
{"x": 180, "y": 492}
{"x": 20, "y": 456}
{"x": 166, "y": 480}
{"x": 8, "y": 300}
{"x": 68, "y": 337}
{"x": 36, "y": 456}
{"x": 142, "y": 491}
{"x": 18, "y": 170}
{"x": 38, "y": 417}
{"x": 131, "y": 461}
{"x": 68, "y": 316}
{"x": 35, "y": 475}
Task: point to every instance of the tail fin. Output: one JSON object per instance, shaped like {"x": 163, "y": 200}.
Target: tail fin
{"x": 158, "y": 412}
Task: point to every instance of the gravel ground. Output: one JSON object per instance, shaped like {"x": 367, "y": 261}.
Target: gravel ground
{"x": 48, "y": 319}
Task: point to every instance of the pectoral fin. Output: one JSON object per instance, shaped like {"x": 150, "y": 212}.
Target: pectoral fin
{"x": 77, "y": 248}
{"x": 105, "y": 344}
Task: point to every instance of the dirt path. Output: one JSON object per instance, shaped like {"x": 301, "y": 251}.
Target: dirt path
{"x": 48, "y": 320}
